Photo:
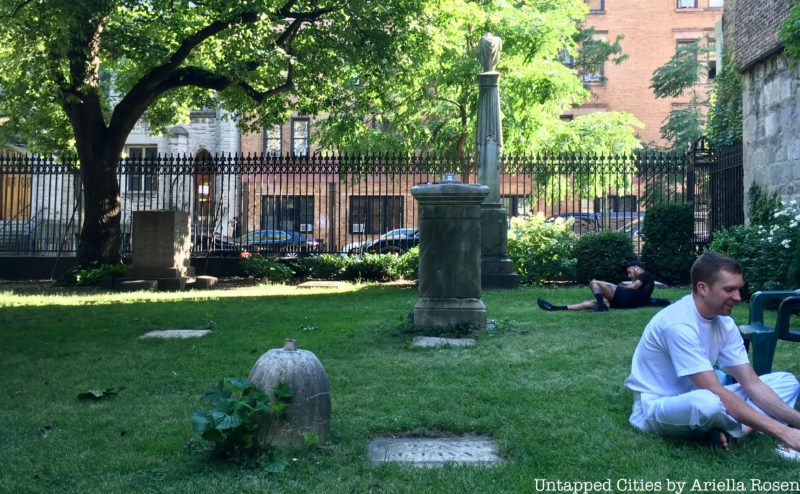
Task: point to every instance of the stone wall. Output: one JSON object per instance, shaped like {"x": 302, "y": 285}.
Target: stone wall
{"x": 771, "y": 109}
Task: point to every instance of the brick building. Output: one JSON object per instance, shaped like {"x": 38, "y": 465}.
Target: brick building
{"x": 652, "y": 32}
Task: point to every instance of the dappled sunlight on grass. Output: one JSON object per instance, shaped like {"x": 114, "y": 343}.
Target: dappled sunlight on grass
{"x": 10, "y": 298}
{"x": 534, "y": 385}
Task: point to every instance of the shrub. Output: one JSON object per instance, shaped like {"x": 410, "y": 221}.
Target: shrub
{"x": 769, "y": 254}
{"x": 408, "y": 264}
{"x": 237, "y": 412}
{"x": 668, "y": 251}
{"x": 92, "y": 276}
{"x": 266, "y": 268}
{"x": 321, "y": 267}
{"x": 371, "y": 267}
{"x": 541, "y": 250}
{"x": 603, "y": 256}
{"x": 762, "y": 205}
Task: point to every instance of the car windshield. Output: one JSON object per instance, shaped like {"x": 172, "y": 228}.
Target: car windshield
{"x": 400, "y": 232}
{"x": 277, "y": 235}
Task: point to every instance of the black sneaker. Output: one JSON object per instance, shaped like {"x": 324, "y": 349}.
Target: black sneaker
{"x": 601, "y": 308}
{"x": 544, "y": 305}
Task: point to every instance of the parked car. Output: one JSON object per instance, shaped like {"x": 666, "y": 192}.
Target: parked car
{"x": 276, "y": 241}
{"x": 213, "y": 245}
{"x": 393, "y": 242}
{"x": 365, "y": 245}
{"x": 595, "y": 222}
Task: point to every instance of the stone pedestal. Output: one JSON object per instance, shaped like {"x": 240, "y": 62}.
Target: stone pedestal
{"x": 449, "y": 255}
{"x": 161, "y": 249}
{"x": 497, "y": 270}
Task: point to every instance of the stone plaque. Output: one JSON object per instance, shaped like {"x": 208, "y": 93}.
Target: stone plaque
{"x": 177, "y": 333}
{"x": 424, "y": 451}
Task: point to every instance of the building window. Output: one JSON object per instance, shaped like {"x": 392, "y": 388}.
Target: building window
{"x": 272, "y": 141}
{"x": 708, "y": 52}
{"x": 288, "y": 213}
{"x": 141, "y": 168}
{"x": 515, "y": 205}
{"x": 716, "y": 4}
{"x": 300, "y": 136}
{"x": 566, "y": 59}
{"x": 371, "y": 214}
{"x": 711, "y": 56}
{"x": 596, "y": 6}
{"x": 15, "y": 197}
{"x": 593, "y": 75}
{"x": 687, "y": 4}
{"x": 615, "y": 204}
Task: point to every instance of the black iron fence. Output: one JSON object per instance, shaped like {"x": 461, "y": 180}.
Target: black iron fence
{"x": 356, "y": 203}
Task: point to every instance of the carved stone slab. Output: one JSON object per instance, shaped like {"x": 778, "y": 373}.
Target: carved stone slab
{"x": 176, "y": 333}
{"x": 322, "y": 284}
{"x": 432, "y": 452}
{"x": 433, "y": 342}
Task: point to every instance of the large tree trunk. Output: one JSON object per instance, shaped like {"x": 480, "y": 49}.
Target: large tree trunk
{"x": 100, "y": 239}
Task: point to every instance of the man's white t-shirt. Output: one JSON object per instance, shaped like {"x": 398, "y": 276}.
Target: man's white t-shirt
{"x": 678, "y": 342}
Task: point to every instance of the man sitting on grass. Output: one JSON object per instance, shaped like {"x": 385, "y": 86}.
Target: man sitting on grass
{"x": 675, "y": 387}
{"x": 606, "y": 294}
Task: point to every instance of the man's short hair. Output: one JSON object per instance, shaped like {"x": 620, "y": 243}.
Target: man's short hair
{"x": 634, "y": 264}
{"x": 707, "y": 267}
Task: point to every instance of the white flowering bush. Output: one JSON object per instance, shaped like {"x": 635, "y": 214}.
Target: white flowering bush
{"x": 541, "y": 250}
{"x": 769, "y": 253}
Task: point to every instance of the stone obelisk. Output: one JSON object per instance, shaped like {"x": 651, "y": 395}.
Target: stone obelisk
{"x": 496, "y": 268}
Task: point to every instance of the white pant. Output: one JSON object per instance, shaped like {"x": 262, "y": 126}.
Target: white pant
{"x": 699, "y": 411}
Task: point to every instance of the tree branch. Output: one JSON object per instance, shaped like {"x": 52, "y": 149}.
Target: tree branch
{"x": 198, "y": 77}
{"x": 169, "y": 75}
{"x": 17, "y": 9}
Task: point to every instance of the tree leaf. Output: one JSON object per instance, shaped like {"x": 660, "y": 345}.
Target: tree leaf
{"x": 98, "y": 394}
{"x": 200, "y": 420}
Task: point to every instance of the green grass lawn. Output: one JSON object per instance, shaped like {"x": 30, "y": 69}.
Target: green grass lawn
{"x": 546, "y": 386}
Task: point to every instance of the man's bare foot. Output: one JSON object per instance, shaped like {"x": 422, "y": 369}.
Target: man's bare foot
{"x": 718, "y": 438}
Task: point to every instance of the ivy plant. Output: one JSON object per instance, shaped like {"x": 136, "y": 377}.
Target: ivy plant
{"x": 237, "y": 411}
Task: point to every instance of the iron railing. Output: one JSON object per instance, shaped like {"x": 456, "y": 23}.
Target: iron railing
{"x": 342, "y": 203}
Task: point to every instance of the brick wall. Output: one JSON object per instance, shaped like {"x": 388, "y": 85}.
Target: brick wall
{"x": 651, "y": 31}
{"x": 757, "y": 23}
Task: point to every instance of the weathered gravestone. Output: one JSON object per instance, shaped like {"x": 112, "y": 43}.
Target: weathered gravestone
{"x": 449, "y": 254}
{"x": 161, "y": 252}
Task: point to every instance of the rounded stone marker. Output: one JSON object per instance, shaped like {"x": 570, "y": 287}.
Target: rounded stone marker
{"x": 310, "y": 408}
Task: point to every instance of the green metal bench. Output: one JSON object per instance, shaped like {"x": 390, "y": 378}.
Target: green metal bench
{"x": 763, "y": 339}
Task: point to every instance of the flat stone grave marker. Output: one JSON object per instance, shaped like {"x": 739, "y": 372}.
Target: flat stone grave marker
{"x": 435, "y": 342}
{"x": 321, "y": 284}
{"x": 176, "y": 333}
{"x": 434, "y": 452}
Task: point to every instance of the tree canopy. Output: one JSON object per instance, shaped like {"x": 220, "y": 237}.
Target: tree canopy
{"x": 430, "y": 104}
{"x": 257, "y": 58}
{"x": 62, "y": 63}
{"x": 682, "y": 74}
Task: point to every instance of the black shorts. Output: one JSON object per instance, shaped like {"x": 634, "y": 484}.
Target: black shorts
{"x": 625, "y": 298}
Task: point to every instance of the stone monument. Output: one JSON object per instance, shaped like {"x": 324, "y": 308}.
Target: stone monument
{"x": 161, "y": 249}
{"x": 449, "y": 256}
{"x": 496, "y": 268}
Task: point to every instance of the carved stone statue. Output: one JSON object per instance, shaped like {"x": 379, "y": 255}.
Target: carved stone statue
{"x": 489, "y": 48}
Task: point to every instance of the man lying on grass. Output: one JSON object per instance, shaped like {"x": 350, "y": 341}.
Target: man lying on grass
{"x": 675, "y": 387}
{"x": 606, "y": 294}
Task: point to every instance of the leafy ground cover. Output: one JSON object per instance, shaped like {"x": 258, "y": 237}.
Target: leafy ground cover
{"x": 546, "y": 386}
